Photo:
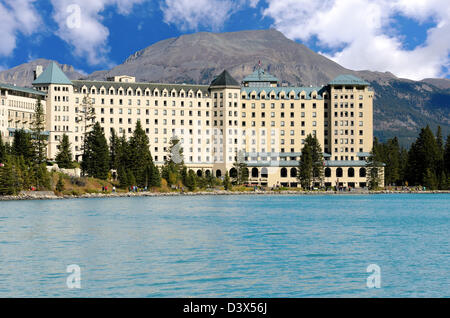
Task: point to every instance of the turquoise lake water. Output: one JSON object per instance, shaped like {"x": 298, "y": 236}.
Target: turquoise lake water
{"x": 227, "y": 246}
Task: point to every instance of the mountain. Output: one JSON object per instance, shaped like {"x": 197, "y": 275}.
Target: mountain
{"x": 401, "y": 106}
{"x": 23, "y": 75}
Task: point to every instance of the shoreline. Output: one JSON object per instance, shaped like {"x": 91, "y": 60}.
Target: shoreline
{"x": 51, "y": 196}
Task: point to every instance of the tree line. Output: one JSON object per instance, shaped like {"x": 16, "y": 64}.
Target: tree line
{"x": 425, "y": 163}
{"x": 23, "y": 163}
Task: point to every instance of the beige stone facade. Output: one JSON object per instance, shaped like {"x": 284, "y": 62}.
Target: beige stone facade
{"x": 264, "y": 120}
{"x": 17, "y": 108}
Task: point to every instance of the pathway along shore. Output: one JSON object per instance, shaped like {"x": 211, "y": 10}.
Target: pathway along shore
{"x": 48, "y": 195}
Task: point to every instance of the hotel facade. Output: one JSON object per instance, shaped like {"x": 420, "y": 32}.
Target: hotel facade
{"x": 261, "y": 121}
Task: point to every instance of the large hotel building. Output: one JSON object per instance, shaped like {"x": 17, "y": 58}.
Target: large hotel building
{"x": 259, "y": 118}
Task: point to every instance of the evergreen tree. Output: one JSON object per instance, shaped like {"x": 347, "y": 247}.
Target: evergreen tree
{"x": 440, "y": 164}
{"x": 172, "y": 171}
{"x": 374, "y": 164}
{"x": 123, "y": 177}
{"x": 445, "y": 177}
{"x": 123, "y": 161}
{"x": 305, "y": 167}
{"x": 227, "y": 182}
{"x": 22, "y": 145}
{"x": 423, "y": 155}
{"x": 8, "y": 180}
{"x": 430, "y": 181}
{"x": 114, "y": 150}
{"x": 141, "y": 163}
{"x": 391, "y": 157}
{"x": 191, "y": 182}
{"x": 39, "y": 140}
{"x": 60, "y": 184}
{"x": 3, "y": 151}
{"x": 311, "y": 163}
{"x": 43, "y": 181}
{"x": 154, "y": 176}
{"x": 241, "y": 169}
{"x": 95, "y": 161}
{"x": 64, "y": 156}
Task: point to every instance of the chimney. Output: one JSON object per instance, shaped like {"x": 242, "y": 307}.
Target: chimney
{"x": 38, "y": 71}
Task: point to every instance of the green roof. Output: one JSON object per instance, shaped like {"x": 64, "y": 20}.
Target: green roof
{"x": 260, "y": 75}
{"x": 348, "y": 80}
{"x": 52, "y": 75}
{"x": 224, "y": 79}
{"x": 286, "y": 90}
{"x": 78, "y": 85}
{"x": 21, "y": 89}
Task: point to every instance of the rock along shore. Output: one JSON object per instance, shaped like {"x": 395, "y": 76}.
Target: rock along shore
{"x": 48, "y": 195}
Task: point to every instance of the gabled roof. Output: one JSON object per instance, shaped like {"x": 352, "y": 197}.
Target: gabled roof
{"x": 78, "y": 85}
{"x": 52, "y": 75}
{"x": 224, "y": 79}
{"x": 286, "y": 90}
{"x": 260, "y": 75}
{"x": 348, "y": 80}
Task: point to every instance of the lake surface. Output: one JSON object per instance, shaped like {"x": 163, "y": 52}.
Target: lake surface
{"x": 227, "y": 246}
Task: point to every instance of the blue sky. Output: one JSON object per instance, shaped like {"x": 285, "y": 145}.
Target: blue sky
{"x": 406, "y": 37}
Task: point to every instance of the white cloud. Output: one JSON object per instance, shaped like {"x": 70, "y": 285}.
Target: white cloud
{"x": 16, "y": 16}
{"x": 80, "y": 25}
{"x": 191, "y": 14}
{"x": 357, "y": 31}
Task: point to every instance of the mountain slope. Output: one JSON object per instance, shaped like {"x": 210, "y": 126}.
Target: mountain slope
{"x": 23, "y": 75}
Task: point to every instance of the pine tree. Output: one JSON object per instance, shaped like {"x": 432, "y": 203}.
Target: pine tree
{"x": 430, "y": 180}
{"x": 60, "y": 184}
{"x": 95, "y": 161}
{"x": 446, "y": 174}
{"x": 3, "y": 151}
{"x": 391, "y": 157}
{"x": 8, "y": 180}
{"x": 141, "y": 162}
{"x": 43, "y": 181}
{"x": 227, "y": 182}
{"x": 374, "y": 166}
{"x": 64, "y": 156}
{"x": 311, "y": 163}
{"x": 191, "y": 183}
{"x": 423, "y": 155}
{"x": 114, "y": 151}
{"x": 39, "y": 140}
{"x": 440, "y": 164}
{"x": 241, "y": 169}
{"x": 172, "y": 171}
{"x": 305, "y": 167}
{"x": 22, "y": 145}
{"x": 123, "y": 177}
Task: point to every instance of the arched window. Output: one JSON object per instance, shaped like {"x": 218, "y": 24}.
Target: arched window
{"x": 255, "y": 173}
{"x": 293, "y": 172}
{"x": 351, "y": 172}
{"x": 207, "y": 173}
{"x": 327, "y": 172}
{"x": 339, "y": 172}
{"x": 283, "y": 172}
{"x": 199, "y": 173}
{"x": 233, "y": 173}
{"x": 264, "y": 173}
{"x": 218, "y": 173}
{"x": 362, "y": 172}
